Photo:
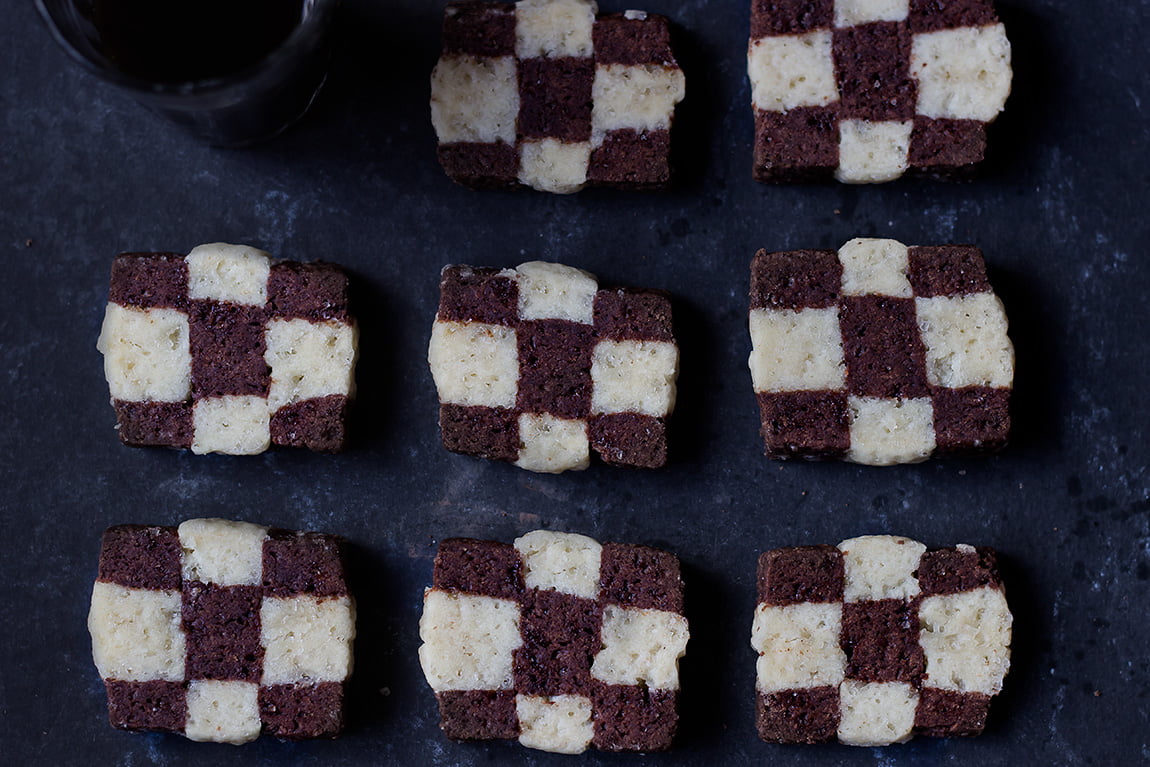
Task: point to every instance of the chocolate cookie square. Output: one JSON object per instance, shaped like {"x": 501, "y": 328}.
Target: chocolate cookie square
{"x": 865, "y": 90}
{"x": 556, "y": 641}
{"x": 878, "y": 353}
{"x": 540, "y": 366}
{"x": 221, "y": 631}
{"x": 877, "y": 640}
{"x": 225, "y": 350}
{"x": 550, "y": 95}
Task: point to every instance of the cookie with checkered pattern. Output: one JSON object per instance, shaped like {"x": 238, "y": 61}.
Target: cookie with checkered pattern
{"x": 539, "y": 365}
{"x": 864, "y": 90}
{"x": 879, "y": 353}
{"x": 221, "y": 630}
{"x": 556, "y": 640}
{"x": 225, "y": 350}
{"x": 877, "y": 640}
{"x": 549, "y": 95}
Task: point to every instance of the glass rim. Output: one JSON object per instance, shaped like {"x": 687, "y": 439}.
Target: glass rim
{"x": 299, "y": 39}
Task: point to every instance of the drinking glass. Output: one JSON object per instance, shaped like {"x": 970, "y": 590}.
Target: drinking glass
{"x": 255, "y": 102}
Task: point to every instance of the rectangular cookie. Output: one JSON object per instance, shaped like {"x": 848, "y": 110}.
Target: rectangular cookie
{"x": 877, "y": 640}
{"x": 556, "y": 640}
{"x": 221, "y": 630}
{"x": 879, "y": 353}
{"x": 538, "y": 365}
{"x": 226, "y": 351}
{"x": 548, "y": 94}
{"x": 864, "y": 90}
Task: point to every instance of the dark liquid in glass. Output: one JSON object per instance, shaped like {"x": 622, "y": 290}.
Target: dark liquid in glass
{"x": 170, "y": 41}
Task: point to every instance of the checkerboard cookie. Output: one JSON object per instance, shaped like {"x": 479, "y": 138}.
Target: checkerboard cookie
{"x": 222, "y": 630}
{"x": 546, "y": 94}
{"x": 226, "y": 351}
{"x": 877, "y": 640}
{"x": 557, "y": 641}
{"x": 539, "y": 365}
{"x": 866, "y": 89}
{"x": 879, "y": 353}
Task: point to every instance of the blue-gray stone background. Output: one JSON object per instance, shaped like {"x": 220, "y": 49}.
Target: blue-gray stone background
{"x": 1060, "y": 213}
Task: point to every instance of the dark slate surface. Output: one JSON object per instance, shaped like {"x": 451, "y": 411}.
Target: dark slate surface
{"x": 86, "y": 173}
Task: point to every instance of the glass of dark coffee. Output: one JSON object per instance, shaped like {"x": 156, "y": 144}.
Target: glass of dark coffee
{"x": 234, "y": 72}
